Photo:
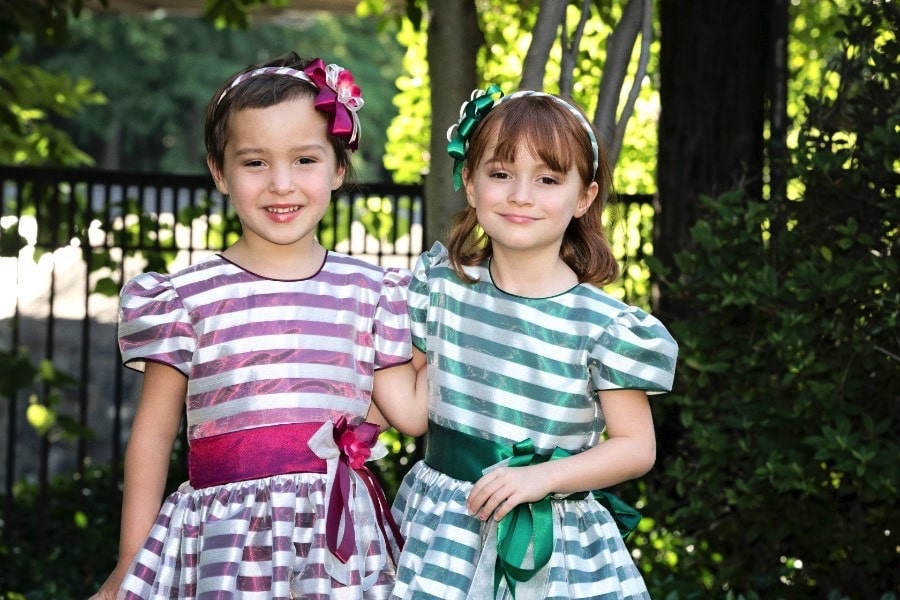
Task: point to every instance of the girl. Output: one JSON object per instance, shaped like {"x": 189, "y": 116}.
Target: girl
{"x": 528, "y": 361}
{"x": 275, "y": 346}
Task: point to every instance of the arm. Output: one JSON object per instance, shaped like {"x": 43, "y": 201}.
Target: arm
{"x": 147, "y": 458}
{"x": 400, "y": 395}
{"x": 628, "y": 452}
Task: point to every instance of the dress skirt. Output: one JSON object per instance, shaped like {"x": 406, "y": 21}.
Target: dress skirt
{"x": 442, "y": 557}
{"x": 259, "y": 539}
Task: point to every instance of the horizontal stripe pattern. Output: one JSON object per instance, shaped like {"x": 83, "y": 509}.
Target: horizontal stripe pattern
{"x": 443, "y": 545}
{"x": 262, "y": 539}
{"x": 242, "y": 339}
{"x": 256, "y": 353}
{"x": 506, "y": 368}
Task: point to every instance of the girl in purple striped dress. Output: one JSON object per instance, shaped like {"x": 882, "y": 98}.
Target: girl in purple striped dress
{"x": 276, "y": 347}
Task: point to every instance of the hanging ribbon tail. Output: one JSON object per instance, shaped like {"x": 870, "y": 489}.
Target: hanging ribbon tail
{"x": 323, "y": 445}
{"x": 626, "y": 517}
{"x": 339, "y": 533}
{"x": 339, "y": 517}
{"x": 367, "y": 433}
{"x": 457, "y": 175}
{"x": 527, "y": 525}
{"x": 383, "y": 515}
{"x": 342, "y": 124}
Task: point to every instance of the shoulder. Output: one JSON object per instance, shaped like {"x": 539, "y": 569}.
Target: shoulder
{"x": 596, "y": 303}
{"x": 361, "y": 272}
{"x": 152, "y": 284}
{"x": 623, "y": 320}
{"x": 435, "y": 263}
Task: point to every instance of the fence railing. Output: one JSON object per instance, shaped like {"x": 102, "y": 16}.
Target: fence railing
{"x": 69, "y": 238}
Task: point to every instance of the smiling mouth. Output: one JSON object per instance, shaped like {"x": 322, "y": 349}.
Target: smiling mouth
{"x": 282, "y": 210}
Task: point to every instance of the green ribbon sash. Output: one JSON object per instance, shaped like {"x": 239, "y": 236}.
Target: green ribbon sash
{"x": 464, "y": 457}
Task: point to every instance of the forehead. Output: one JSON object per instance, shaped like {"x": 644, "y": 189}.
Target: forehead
{"x": 511, "y": 139}
{"x": 295, "y": 119}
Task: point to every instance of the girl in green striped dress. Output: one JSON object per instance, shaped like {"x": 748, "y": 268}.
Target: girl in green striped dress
{"x": 538, "y": 380}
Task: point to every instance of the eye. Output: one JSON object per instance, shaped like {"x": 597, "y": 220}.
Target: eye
{"x": 254, "y": 162}
{"x": 548, "y": 180}
{"x": 306, "y": 160}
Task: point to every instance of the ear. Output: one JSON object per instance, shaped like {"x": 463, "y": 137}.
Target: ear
{"x": 338, "y": 179}
{"x": 469, "y": 187}
{"x": 587, "y": 198}
{"x": 217, "y": 176}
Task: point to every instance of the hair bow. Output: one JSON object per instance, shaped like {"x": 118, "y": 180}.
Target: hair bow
{"x": 339, "y": 97}
{"x": 470, "y": 114}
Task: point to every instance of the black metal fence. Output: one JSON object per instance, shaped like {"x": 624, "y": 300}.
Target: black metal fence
{"x": 69, "y": 238}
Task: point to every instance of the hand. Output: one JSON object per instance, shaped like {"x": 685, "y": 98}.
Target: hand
{"x": 503, "y": 489}
{"x": 109, "y": 589}
{"x": 104, "y": 594}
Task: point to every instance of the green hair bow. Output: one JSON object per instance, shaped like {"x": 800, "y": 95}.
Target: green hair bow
{"x": 470, "y": 114}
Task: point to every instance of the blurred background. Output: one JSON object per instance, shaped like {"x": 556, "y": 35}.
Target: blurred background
{"x": 756, "y": 151}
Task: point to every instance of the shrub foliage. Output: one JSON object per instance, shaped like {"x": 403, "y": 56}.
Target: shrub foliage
{"x": 778, "y": 468}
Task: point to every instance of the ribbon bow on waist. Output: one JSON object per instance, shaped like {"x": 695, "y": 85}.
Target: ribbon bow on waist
{"x": 525, "y": 524}
{"x": 346, "y": 448}
{"x": 529, "y": 524}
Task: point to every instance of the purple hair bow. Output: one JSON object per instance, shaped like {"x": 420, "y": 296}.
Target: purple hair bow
{"x": 339, "y": 97}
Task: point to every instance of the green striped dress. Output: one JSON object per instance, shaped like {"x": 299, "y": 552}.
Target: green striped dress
{"x": 503, "y": 369}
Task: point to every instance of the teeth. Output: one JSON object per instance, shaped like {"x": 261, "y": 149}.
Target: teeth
{"x": 283, "y": 211}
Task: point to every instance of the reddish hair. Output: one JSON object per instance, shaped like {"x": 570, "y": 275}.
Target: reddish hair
{"x": 557, "y": 137}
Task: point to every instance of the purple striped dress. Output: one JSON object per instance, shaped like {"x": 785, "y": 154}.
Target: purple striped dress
{"x": 279, "y": 373}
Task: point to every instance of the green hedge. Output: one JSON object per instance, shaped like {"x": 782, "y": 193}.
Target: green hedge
{"x": 778, "y": 468}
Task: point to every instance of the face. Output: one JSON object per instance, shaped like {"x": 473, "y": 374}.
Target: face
{"x": 525, "y": 206}
{"x": 279, "y": 170}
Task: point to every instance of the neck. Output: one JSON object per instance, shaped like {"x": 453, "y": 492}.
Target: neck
{"x": 275, "y": 261}
{"x": 532, "y": 276}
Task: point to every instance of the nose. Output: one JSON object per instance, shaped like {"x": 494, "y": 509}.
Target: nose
{"x": 281, "y": 183}
{"x": 520, "y": 193}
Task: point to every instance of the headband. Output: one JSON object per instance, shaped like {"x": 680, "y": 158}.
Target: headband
{"x": 339, "y": 97}
{"x": 478, "y": 106}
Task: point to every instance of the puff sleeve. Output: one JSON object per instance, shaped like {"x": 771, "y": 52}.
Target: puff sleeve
{"x": 419, "y": 294}
{"x": 635, "y": 351}
{"x": 154, "y": 324}
{"x": 392, "y": 343}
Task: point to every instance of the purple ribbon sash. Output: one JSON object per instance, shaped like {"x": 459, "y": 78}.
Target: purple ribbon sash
{"x": 281, "y": 449}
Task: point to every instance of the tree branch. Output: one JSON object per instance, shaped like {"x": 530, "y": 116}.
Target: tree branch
{"x": 635, "y": 91}
{"x": 636, "y": 18}
{"x": 551, "y": 16}
{"x": 570, "y": 51}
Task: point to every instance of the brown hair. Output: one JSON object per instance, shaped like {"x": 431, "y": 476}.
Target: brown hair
{"x": 551, "y": 132}
{"x": 262, "y": 91}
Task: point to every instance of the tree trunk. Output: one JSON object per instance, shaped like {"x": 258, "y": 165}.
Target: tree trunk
{"x": 712, "y": 93}
{"x": 453, "y": 42}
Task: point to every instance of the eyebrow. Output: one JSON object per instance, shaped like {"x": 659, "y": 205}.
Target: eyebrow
{"x": 292, "y": 149}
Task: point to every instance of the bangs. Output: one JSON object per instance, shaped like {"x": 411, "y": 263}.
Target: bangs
{"x": 542, "y": 130}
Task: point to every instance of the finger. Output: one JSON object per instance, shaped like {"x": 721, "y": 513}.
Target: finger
{"x": 496, "y": 503}
{"x": 480, "y": 494}
{"x": 503, "y": 509}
